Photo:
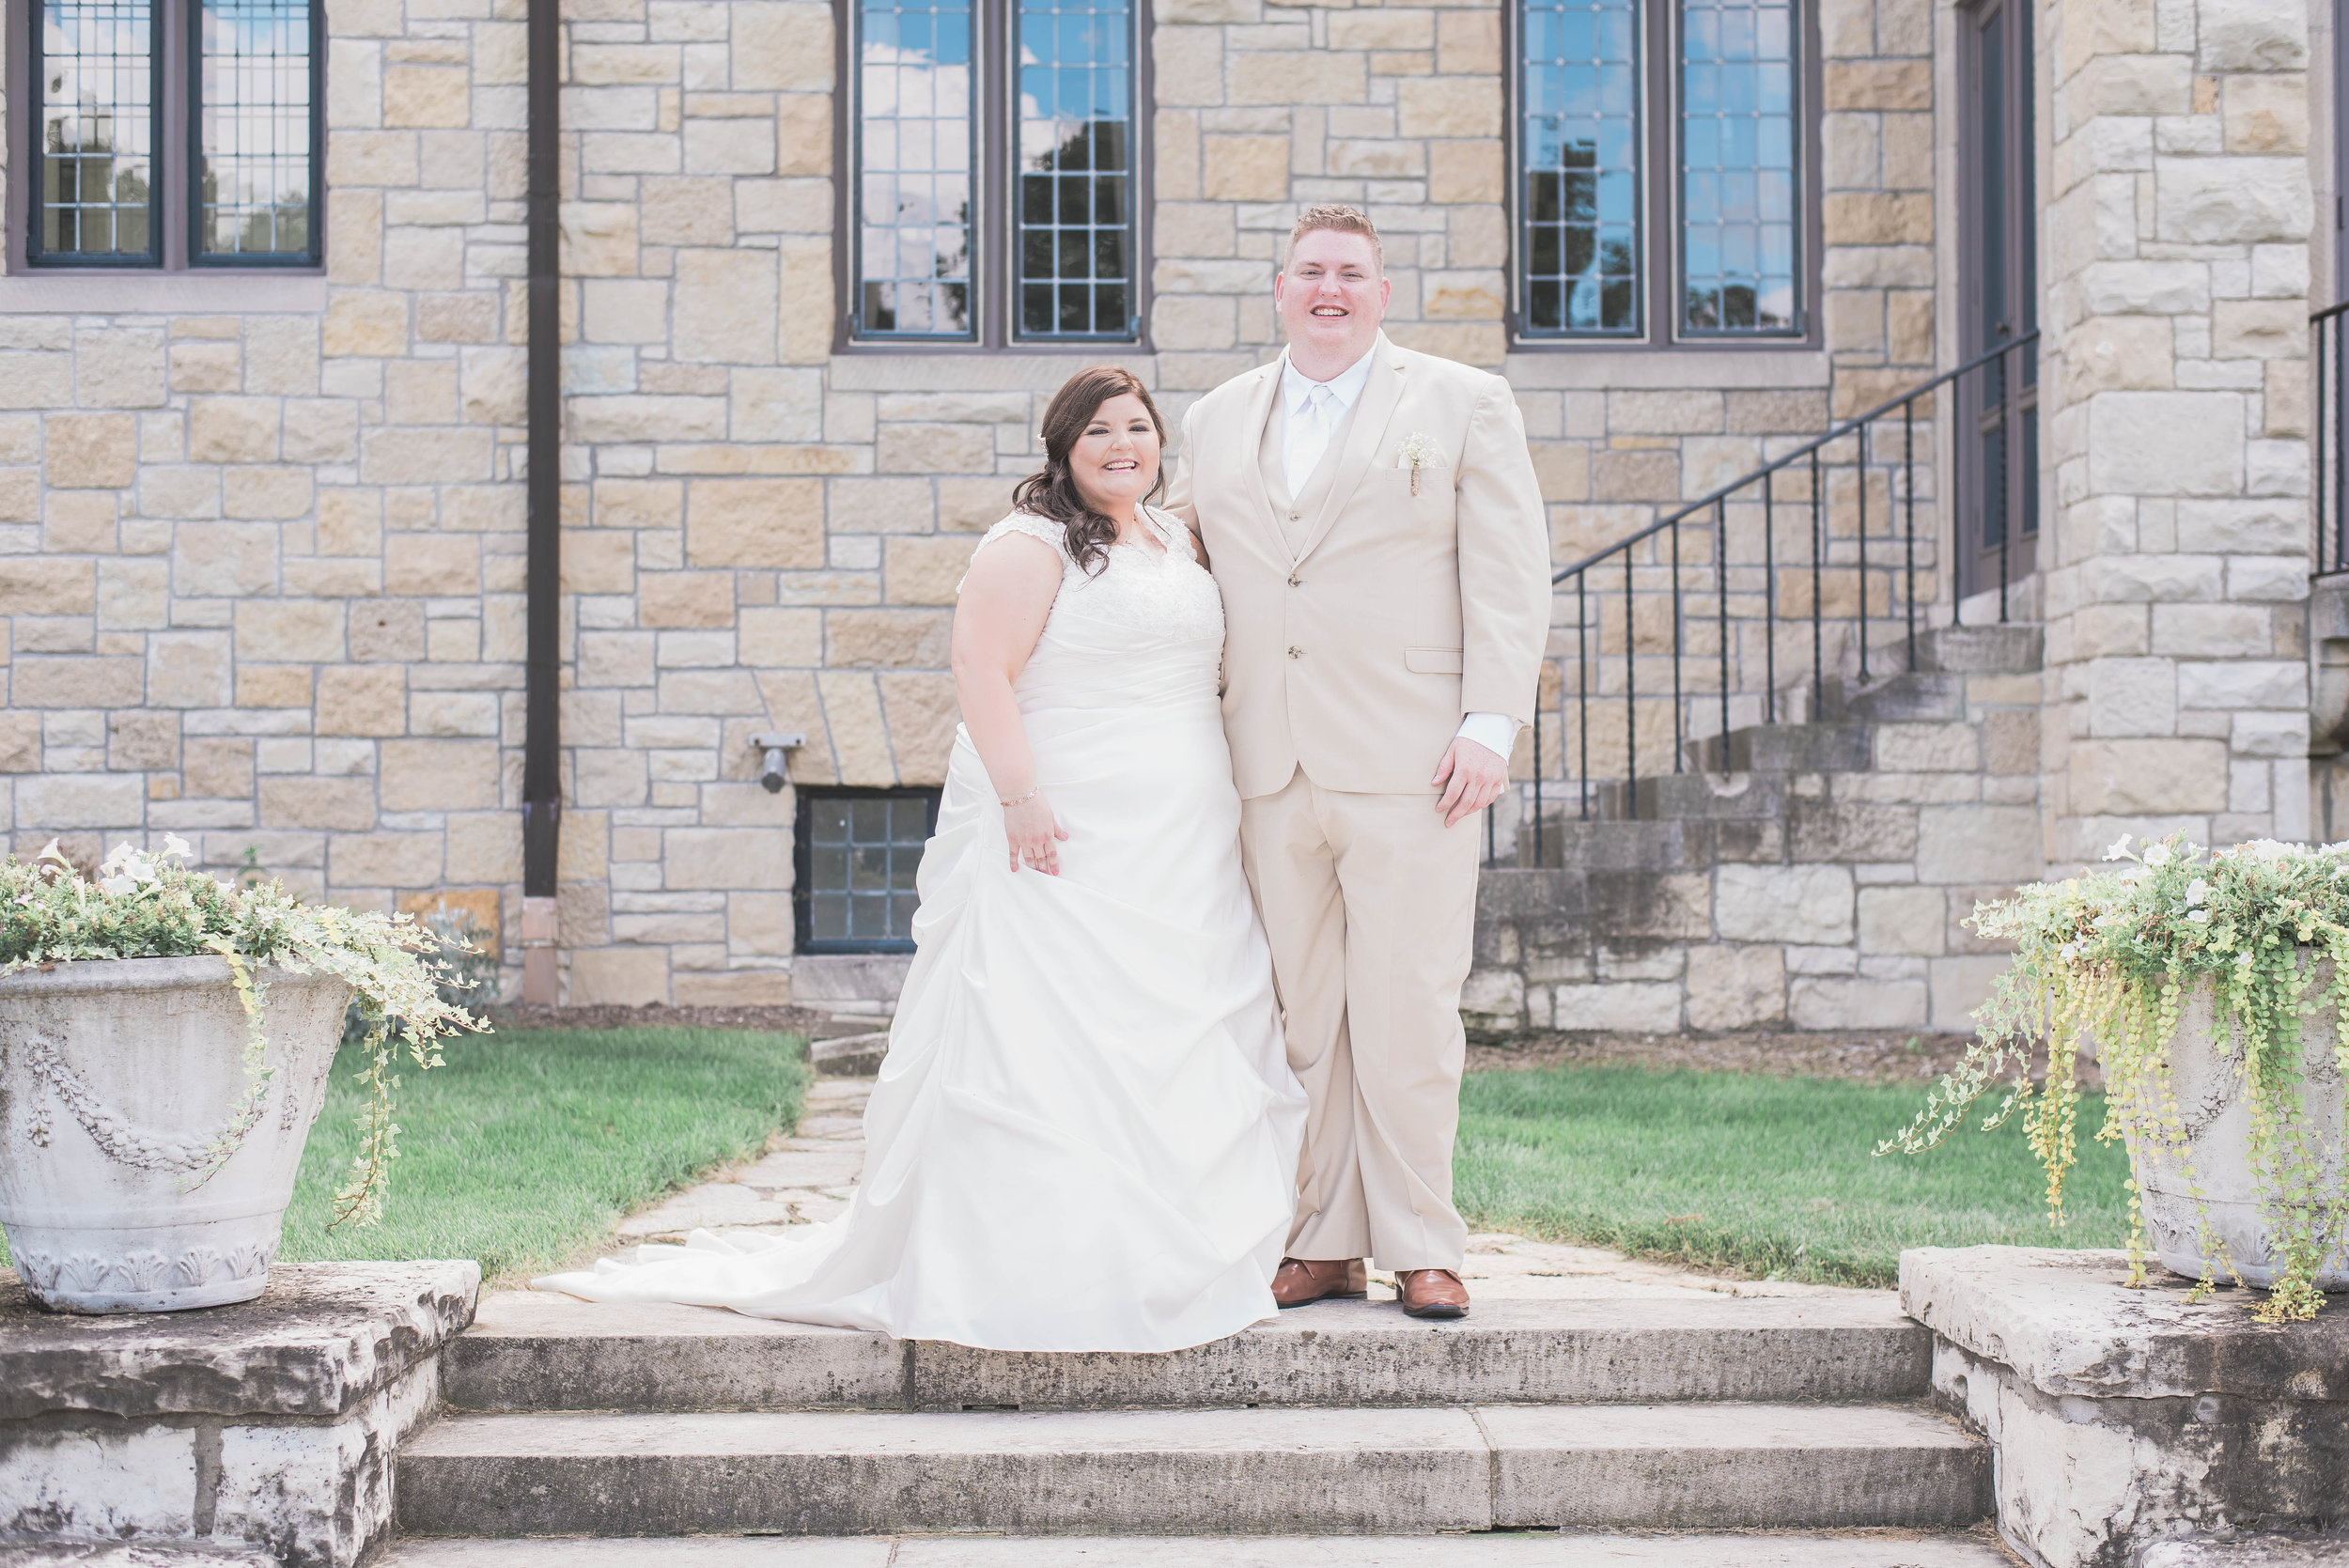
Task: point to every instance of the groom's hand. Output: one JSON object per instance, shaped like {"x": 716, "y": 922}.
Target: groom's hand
{"x": 1472, "y": 778}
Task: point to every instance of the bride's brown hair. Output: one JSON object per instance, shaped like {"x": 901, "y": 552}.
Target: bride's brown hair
{"x": 1054, "y": 493}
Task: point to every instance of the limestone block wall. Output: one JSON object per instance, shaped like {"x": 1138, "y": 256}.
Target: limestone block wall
{"x": 261, "y": 555}
{"x": 2176, "y": 263}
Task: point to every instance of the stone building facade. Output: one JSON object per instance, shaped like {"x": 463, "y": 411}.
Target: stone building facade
{"x": 265, "y": 537}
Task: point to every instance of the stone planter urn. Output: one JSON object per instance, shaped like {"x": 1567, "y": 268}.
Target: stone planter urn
{"x": 2216, "y": 1109}
{"x": 114, "y": 1077}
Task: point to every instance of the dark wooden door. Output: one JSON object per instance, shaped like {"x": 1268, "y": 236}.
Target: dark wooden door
{"x": 1997, "y": 424}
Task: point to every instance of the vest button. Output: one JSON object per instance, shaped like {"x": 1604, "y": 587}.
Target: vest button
{"x": 1297, "y": 653}
{"x": 1292, "y": 516}
{"x": 1296, "y": 582}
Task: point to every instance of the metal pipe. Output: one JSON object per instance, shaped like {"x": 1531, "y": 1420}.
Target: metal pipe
{"x": 2007, "y": 441}
{"x": 1720, "y": 573}
{"x": 1679, "y": 642}
{"x": 1582, "y": 691}
{"x": 1818, "y": 646}
{"x": 542, "y": 764}
{"x": 1630, "y": 698}
{"x": 1769, "y": 599}
{"x": 1537, "y": 771}
{"x": 2317, "y": 433}
{"x": 1909, "y": 488}
{"x": 1863, "y": 554}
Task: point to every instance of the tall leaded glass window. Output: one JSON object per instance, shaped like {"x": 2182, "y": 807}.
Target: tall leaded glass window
{"x": 1076, "y": 168}
{"x": 1580, "y": 193}
{"x": 97, "y": 118}
{"x": 1660, "y": 170}
{"x": 257, "y": 150}
{"x": 915, "y": 141}
{"x": 994, "y": 174}
{"x": 1737, "y": 166}
{"x": 174, "y": 132}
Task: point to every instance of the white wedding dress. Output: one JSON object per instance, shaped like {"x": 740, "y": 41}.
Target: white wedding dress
{"x": 1086, "y": 1133}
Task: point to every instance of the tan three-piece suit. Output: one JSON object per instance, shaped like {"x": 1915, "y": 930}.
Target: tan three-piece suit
{"x": 1365, "y": 615}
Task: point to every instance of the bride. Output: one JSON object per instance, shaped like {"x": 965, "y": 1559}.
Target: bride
{"x": 1086, "y": 1133}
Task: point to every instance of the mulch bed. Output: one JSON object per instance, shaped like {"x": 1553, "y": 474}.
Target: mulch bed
{"x": 1872, "y": 1056}
{"x": 787, "y": 1020}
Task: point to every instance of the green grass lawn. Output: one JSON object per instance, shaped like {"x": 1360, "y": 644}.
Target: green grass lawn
{"x": 1761, "y": 1175}
{"x": 528, "y": 1145}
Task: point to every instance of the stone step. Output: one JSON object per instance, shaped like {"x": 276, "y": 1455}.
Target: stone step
{"x": 531, "y": 1351}
{"x": 1982, "y": 650}
{"x": 1786, "y": 749}
{"x": 1923, "y": 694}
{"x": 1484, "y": 1549}
{"x": 1697, "y": 797}
{"x": 1158, "y": 1473}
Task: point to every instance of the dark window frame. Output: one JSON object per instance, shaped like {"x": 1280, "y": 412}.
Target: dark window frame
{"x": 175, "y": 205}
{"x": 994, "y": 272}
{"x": 1660, "y": 240}
{"x": 802, "y": 859}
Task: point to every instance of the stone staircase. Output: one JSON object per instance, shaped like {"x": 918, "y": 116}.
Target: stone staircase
{"x": 1790, "y": 873}
{"x": 1345, "y": 1419}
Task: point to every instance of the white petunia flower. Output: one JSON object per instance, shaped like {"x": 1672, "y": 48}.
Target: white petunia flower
{"x": 2119, "y": 848}
{"x": 2156, "y": 855}
{"x": 118, "y": 886}
{"x": 2197, "y": 891}
{"x": 175, "y": 845}
{"x": 2199, "y": 917}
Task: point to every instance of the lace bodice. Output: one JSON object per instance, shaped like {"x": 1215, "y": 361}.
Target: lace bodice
{"x": 1146, "y": 620}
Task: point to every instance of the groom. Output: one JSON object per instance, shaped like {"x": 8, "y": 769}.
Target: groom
{"x": 1372, "y": 517}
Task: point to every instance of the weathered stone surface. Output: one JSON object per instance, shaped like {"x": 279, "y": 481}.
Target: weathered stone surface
{"x": 321, "y": 1341}
{"x": 2122, "y": 1418}
{"x": 1347, "y": 1471}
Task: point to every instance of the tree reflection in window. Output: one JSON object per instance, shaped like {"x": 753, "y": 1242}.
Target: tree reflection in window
{"x": 1580, "y": 152}
{"x": 914, "y": 168}
{"x": 1737, "y": 165}
{"x": 97, "y": 122}
{"x": 1076, "y": 168}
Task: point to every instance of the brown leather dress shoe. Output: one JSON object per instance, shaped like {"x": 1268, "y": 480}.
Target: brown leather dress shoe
{"x": 1300, "y": 1282}
{"x": 1431, "y": 1293}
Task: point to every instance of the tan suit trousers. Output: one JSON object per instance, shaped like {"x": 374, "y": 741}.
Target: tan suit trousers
{"x": 1369, "y": 902}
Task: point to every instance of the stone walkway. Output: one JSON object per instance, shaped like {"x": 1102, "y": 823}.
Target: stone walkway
{"x": 806, "y": 1178}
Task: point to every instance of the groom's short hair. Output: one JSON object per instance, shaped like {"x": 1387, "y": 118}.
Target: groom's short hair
{"x": 1346, "y": 220}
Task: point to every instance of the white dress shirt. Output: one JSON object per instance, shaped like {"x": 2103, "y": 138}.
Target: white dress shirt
{"x": 1305, "y": 437}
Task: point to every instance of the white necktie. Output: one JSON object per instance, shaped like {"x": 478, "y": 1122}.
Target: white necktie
{"x": 1309, "y": 437}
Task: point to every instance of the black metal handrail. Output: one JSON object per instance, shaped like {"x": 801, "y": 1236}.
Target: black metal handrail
{"x": 2328, "y": 437}
{"x": 1726, "y": 593}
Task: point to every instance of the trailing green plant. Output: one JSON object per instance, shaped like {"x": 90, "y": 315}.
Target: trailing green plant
{"x": 2114, "y": 956}
{"x": 468, "y": 970}
{"x": 144, "y": 905}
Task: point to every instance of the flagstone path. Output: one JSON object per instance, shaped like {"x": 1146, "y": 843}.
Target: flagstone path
{"x": 807, "y": 1177}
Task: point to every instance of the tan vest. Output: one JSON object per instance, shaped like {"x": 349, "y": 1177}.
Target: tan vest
{"x": 1360, "y": 631}
{"x": 1293, "y": 511}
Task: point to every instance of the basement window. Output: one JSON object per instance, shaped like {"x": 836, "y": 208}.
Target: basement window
{"x": 855, "y": 854}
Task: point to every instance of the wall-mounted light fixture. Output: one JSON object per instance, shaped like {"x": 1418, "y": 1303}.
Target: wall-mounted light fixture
{"x": 771, "y": 772}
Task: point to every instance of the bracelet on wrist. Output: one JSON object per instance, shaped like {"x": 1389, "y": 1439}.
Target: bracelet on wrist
{"x": 1024, "y": 800}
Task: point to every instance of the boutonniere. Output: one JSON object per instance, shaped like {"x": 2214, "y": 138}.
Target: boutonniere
{"x": 1418, "y": 451}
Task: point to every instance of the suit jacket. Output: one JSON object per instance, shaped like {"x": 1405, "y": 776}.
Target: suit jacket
{"x": 1357, "y": 638}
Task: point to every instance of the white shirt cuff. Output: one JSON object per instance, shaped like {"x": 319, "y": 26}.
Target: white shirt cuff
{"x": 1496, "y": 732}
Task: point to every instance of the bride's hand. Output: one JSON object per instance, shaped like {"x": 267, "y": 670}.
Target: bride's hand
{"x": 1035, "y": 835}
